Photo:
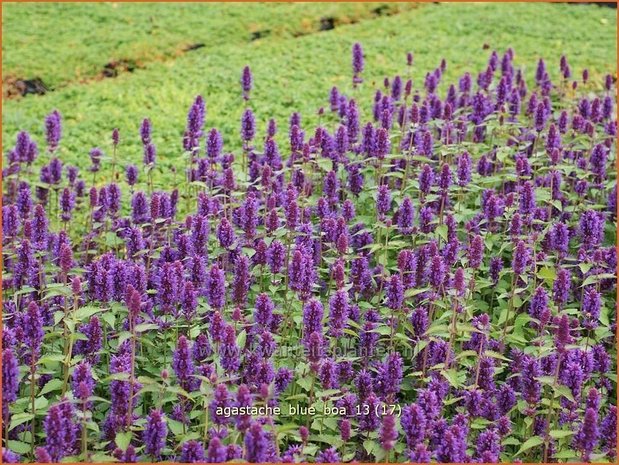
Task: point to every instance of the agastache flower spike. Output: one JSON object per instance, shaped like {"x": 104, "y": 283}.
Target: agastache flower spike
{"x": 10, "y": 376}
{"x": 338, "y": 312}
{"x": 562, "y": 286}
{"x": 182, "y": 363}
{"x": 53, "y": 130}
{"x": 256, "y": 444}
{"x": 193, "y": 452}
{"x": 405, "y": 216}
{"x": 216, "y": 287}
{"x": 60, "y": 431}
{"x": 83, "y": 383}
{"x": 155, "y": 434}
{"x": 520, "y": 258}
{"x": 587, "y": 436}
{"x": 313, "y": 314}
{"x": 263, "y": 310}
{"x": 357, "y": 63}
{"x": 247, "y": 81}
{"x": 395, "y": 293}
{"x": 146, "y": 129}
{"x": 248, "y": 126}
{"x": 388, "y": 432}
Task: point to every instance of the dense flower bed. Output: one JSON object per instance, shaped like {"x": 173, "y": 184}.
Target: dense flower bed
{"x": 436, "y": 284}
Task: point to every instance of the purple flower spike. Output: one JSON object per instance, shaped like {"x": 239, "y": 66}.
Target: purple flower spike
{"x": 247, "y": 82}
{"x": 155, "y": 434}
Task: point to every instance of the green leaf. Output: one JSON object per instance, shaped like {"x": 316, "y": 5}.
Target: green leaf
{"x": 558, "y": 434}
{"x": 58, "y": 316}
{"x": 51, "y": 385}
{"x": 529, "y": 444}
{"x": 441, "y": 230}
{"x": 325, "y": 164}
{"x": 466, "y": 353}
{"x": 109, "y": 318}
{"x": 84, "y": 313}
{"x": 549, "y": 380}
{"x": 241, "y": 338}
{"x": 584, "y": 267}
{"x": 40, "y": 403}
{"x": 51, "y": 358}
{"x": 305, "y": 383}
{"x": 597, "y": 277}
{"x": 492, "y": 354}
{"x": 326, "y": 393}
{"x": 145, "y": 327}
{"x": 565, "y": 392}
{"x": 369, "y": 445}
{"x": 565, "y": 454}
{"x": 451, "y": 376}
{"x": 123, "y": 336}
{"x": 20, "y": 418}
{"x": 102, "y": 458}
{"x": 123, "y": 440}
{"x": 547, "y": 273}
{"x": 510, "y": 441}
{"x": 175, "y": 426}
{"x": 19, "y": 447}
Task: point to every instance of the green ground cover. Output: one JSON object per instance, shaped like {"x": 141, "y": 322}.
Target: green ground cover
{"x": 65, "y": 43}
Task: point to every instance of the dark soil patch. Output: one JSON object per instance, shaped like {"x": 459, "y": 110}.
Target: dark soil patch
{"x": 385, "y": 10}
{"x": 256, "y": 35}
{"x": 114, "y": 68}
{"x": 327, "y": 23}
{"x": 606, "y": 4}
{"x": 17, "y": 87}
{"x": 192, "y": 47}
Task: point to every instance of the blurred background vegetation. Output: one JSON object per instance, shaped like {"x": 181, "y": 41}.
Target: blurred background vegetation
{"x": 107, "y": 65}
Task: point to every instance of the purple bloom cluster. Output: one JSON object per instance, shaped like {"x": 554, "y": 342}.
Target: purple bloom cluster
{"x": 436, "y": 266}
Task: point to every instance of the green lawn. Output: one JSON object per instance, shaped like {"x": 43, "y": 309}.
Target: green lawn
{"x": 83, "y": 37}
{"x": 290, "y": 73}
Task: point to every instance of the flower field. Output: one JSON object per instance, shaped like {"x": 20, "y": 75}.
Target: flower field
{"x": 421, "y": 270}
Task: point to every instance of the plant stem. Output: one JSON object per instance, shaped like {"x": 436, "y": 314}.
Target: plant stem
{"x": 32, "y": 370}
{"x": 84, "y": 432}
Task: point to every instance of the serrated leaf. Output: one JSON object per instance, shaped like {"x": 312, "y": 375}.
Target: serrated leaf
{"x": 241, "y": 338}
{"x": 369, "y": 446}
{"x": 84, "y": 313}
{"x": 441, "y": 230}
{"x": 305, "y": 383}
{"x": 451, "y": 376}
{"x": 558, "y": 434}
{"x": 19, "y": 447}
{"x": 565, "y": 392}
{"x": 58, "y": 316}
{"x": 40, "y": 403}
{"x": 145, "y": 327}
{"x": 123, "y": 440}
{"x": 102, "y": 458}
{"x": 547, "y": 273}
{"x": 51, "y": 385}
{"x": 529, "y": 444}
{"x": 565, "y": 454}
{"x": 19, "y": 419}
{"x": 175, "y": 426}
{"x": 109, "y": 318}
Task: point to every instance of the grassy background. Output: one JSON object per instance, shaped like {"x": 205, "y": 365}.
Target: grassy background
{"x": 83, "y": 37}
{"x": 294, "y": 66}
